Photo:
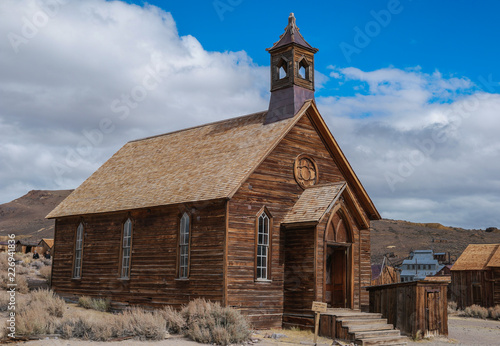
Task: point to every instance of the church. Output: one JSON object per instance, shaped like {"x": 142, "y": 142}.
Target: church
{"x": 261, "y": 212}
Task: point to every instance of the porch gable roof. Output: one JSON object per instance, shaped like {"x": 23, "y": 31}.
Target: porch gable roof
{"x": 314, "y": 202}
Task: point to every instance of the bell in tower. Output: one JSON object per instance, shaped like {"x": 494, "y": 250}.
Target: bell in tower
{"x": 292, "y": 73}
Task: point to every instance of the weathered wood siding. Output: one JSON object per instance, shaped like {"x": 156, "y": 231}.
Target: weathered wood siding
{"x": 470, "y": 287}
{"x": 418, "y": 306}
{"x": 299, "y": 288}
{"x": 271, "y": 185}
{"x": 153, "y": 278}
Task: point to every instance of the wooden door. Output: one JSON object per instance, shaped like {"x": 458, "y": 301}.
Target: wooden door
{"x": 336, "y": 283}
{"x": 339, "y": 278}
{"x": 432, "y": 312}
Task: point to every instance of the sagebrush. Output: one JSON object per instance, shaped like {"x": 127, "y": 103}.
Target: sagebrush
{"x": 494, "y": 312}
{"x": 476, "y": 311}
{"x": 208, "y": 322}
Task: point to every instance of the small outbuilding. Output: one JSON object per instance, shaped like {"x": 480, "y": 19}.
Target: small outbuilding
{"x": 27, "y": 246}
{"x": 45, "y": 245}
{"x": 475, "y": 276}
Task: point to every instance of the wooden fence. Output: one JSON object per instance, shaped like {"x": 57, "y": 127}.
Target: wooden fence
{"x": 418, "y": 307}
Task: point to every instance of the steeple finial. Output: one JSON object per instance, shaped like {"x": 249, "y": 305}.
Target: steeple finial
{"x": 291, "y": 21}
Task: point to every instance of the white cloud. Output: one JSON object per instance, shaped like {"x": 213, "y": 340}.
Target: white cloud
{"x": 424, "y": 137}
{"x": 80, "y": 78}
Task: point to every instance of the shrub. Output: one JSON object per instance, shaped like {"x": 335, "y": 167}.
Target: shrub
{"x": 37, "y": 264}
{"x": 45, "y": 261}
{"x": 175, "y": 323}
{"x": 494, "y": 312}
{"x": 22, "y": 284}
{"x": 85, "y": 325}
{"x": 94, "y": 303}
{"x": 143, "y": 324}
{"x": 476, "y": 311}
{"x": 4, "y": 300}
{"x": 39, "y": 313}
{"x": 4, "y": 261}
{"x": 452, "y": 307}
{"x": 208, "y": 322}
{"x": 45, "y": 272}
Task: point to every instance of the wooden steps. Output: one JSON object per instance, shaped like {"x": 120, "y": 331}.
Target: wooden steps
{"x": 360, "y": 327}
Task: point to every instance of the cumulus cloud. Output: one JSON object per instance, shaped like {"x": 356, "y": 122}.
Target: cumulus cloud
{"x": 80, "y": 78}
{"x": 426, "y": 146}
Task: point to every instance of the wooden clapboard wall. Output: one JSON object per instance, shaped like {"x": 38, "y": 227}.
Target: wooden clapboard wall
{"x": 153, "y": 280}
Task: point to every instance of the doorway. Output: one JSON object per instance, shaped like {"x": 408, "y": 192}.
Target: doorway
{"x": 337, "y": 292}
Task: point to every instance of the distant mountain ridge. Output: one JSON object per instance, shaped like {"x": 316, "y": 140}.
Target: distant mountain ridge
{"x": 25, "y": 217}
{"x": 397, "y": 238}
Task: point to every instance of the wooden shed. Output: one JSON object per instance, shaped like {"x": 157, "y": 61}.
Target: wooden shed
{"x": 475, "y": 276}
{"x": 27, "y": 246}
{"x": 413, "y": 307}
{"x": 261, "y": 212}
{"x": 45, "y": 245}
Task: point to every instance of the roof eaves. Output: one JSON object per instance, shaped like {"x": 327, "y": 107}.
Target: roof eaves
{"x": 344, "y": 165}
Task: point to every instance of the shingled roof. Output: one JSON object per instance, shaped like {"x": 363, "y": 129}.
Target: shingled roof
{"x": 314, "y": 203}
{"x": 197, "y": 164}
{"x": 477, "y": 257}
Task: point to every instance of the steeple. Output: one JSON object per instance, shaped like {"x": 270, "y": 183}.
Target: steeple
{"x": 292, "y": 73}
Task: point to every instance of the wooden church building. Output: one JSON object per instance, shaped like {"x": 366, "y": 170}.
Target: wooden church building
{"x": 261, "y": 212}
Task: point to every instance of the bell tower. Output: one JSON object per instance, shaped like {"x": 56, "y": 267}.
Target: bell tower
{"x": 292, "y": 73}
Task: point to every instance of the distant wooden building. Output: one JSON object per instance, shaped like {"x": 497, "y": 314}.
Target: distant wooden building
{"x": 475, "y": 276}
{"x": 383, "y": 274}
{"x": 46, "y": 245}
{"x": 27, "y": 246}
{"x": 262, "y": 212}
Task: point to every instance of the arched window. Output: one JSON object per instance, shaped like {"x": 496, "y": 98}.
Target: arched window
{"x": 263, "y": 246}
{"x": 126, "y": 249}
{"x": 77, "y": 264}
{"x": 184, "y": 247}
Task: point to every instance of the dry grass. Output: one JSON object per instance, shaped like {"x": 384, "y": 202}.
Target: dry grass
{"x": 476, "y": 311}
{"x": 43, "y": 312}
{"x": 208, "y": 322}
{"x": 94, "y": 304}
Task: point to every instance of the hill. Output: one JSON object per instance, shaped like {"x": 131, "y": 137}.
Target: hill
{"x": 25, "y": 216}
{"x": 398, "y": 238}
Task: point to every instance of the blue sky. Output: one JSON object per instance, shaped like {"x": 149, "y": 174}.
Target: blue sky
{"x": 412, "y": 98}
{"x": 456, "y": 37}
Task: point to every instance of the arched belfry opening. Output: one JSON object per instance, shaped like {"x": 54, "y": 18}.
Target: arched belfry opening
{"x": 292, "y": 73}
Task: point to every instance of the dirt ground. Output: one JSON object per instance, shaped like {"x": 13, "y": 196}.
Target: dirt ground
{"x": 467, "y": 331}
